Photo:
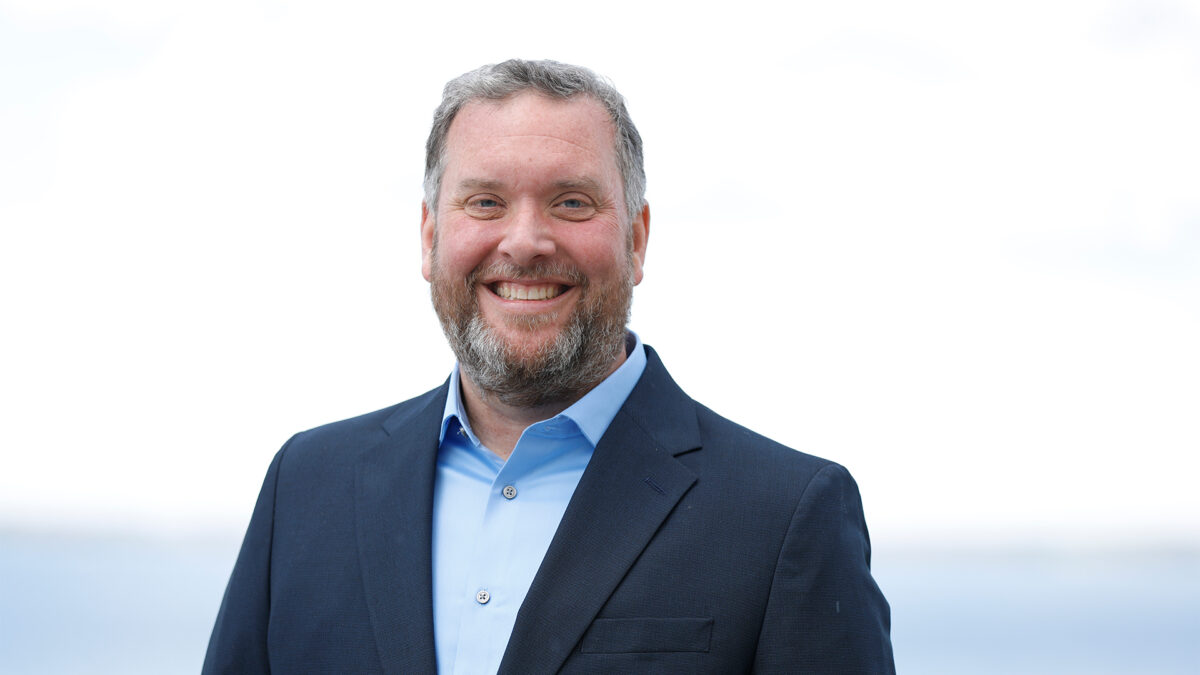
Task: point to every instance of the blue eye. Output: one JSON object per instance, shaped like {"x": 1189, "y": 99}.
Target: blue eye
{"x": 484, "y": 207}
{"x": 577, "y": 209}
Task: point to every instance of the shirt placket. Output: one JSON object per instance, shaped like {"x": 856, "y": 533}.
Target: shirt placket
{"x": 491, "y": 597}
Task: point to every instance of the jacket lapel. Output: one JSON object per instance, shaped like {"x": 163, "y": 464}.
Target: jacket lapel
{"x": 394, "y": 507}
{"x": 630, "y": 486}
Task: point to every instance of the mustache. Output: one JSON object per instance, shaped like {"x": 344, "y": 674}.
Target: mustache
{"x": 536, "y": 272}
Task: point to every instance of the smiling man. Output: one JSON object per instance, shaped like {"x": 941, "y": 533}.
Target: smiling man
{"x": 559, "y": 504}
{"x": 532, "y": 254}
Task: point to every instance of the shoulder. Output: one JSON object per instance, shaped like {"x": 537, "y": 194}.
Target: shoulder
{"x": 330, "y": 445}
{"x": 713, "y": 445}
{"x": 722, "y": 434}
{"x": 761, "y": 466}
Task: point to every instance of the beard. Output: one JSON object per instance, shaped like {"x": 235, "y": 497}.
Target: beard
{"x": 560, "y": 370}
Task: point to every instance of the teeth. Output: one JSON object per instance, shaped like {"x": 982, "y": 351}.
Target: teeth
{"x": 521, "y": 292}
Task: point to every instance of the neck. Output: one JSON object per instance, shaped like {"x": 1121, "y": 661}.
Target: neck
{"x": 499, "y": 425}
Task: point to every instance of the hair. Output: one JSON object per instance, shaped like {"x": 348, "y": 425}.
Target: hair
{"x": 496, "y": 82}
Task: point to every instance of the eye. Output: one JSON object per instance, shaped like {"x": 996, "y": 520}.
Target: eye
{"x": 574, "y": 207}
{"x": 484, "y": 206}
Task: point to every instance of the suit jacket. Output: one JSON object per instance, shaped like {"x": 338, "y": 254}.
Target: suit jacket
{"x": 691, "y": 545}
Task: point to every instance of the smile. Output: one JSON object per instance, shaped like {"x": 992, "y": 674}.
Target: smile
{"x": 513, "y": 291}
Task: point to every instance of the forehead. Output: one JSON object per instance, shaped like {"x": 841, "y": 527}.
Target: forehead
{"x": 531, "y": 127}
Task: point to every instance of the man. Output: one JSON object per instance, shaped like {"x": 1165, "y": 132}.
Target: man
{"x": 559, "y": 505}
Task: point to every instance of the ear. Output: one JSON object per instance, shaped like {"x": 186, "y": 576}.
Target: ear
{"x": 427, "y": 224}
{"x": 641, "y": 232}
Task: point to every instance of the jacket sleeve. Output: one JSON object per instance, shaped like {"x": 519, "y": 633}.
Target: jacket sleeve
{"x": 825, "y": 614}
{"x": 239, "y": 638}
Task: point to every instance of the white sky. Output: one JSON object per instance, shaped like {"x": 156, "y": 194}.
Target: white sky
{"x": 954, "y": 248}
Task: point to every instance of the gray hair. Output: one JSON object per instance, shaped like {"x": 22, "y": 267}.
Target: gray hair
{"x": 497, "y": 82}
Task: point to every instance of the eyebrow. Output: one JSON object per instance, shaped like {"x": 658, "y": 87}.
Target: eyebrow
{"x": 479, "y": 184}
{"x": 583, "y": 183}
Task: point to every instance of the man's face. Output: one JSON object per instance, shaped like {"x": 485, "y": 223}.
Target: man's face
{"x": 531, "y": 261}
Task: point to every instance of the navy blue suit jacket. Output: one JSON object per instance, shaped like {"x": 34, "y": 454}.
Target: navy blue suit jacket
{"x": 691, "y": 545}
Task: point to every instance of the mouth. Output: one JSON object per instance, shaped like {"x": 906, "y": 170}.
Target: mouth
{"x": 510, "y": 290}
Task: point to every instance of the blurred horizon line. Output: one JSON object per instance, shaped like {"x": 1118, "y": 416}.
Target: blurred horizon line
{"x": 1183, "y": 545}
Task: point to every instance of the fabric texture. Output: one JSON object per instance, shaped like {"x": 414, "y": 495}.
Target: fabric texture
{"x": 690, "y": 545}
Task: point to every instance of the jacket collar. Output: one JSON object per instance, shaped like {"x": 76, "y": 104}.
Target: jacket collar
{"x": 630, "y": 486}
{"x": 394, "y": 521}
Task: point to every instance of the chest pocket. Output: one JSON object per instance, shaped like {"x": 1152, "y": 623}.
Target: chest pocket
{"x": 646, "y": 635}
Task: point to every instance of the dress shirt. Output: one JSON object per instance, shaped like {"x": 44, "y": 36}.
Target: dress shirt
{"x": 493, "y": 519}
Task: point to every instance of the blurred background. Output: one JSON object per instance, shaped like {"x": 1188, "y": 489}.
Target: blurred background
{"x": 953, "y": 246}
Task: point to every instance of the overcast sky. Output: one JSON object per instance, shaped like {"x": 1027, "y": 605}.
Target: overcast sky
{"x": 955, "y": 248}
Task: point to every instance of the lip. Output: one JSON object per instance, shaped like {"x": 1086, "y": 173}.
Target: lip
{"x": 527, "y": 291}
{"x": 566, "y": 293}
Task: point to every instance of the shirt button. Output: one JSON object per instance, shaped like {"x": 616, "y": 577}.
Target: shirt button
{"x": 482, "y": 597}
{"x": 509, "y": 492}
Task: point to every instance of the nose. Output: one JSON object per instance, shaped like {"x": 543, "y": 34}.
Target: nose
{"x": 528, "y": 236}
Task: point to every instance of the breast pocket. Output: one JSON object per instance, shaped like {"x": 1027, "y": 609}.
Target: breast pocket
{"x": 631, "y": 636}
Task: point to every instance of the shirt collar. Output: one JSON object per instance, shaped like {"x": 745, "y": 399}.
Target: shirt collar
{"x": 591, "y": 414}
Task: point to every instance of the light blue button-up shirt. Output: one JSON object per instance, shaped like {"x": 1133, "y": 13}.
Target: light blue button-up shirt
{"x": 493, "y": 519}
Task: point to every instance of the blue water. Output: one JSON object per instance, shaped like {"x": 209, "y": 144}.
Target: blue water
{"x": 96, "y": 606}
{"x": 103, "y": 606}
{"x": 1029, "y": 613}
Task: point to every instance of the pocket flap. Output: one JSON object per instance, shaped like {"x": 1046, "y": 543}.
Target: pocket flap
{"x": 623, "y": 636}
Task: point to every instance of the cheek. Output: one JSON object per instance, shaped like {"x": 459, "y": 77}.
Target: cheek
{"x": 461, "y": 251}
{"x": 605, "y": 256}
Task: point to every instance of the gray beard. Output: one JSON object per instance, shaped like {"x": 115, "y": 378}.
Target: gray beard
{"x": 577, "y": 360}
